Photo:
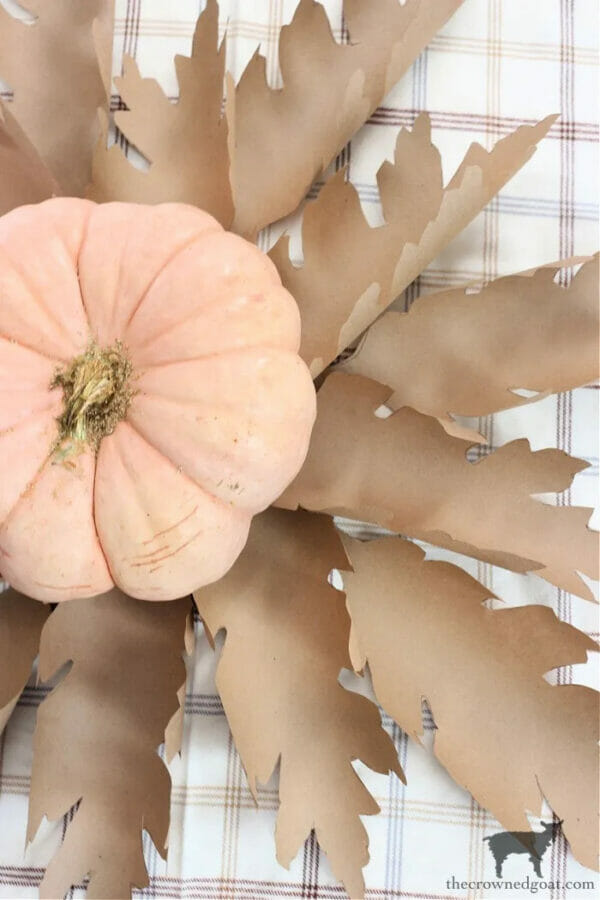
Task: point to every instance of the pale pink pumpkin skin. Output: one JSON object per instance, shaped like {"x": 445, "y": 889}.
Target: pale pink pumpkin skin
{"x": 221, "y": 417}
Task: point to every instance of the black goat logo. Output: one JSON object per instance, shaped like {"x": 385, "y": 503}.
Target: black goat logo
{"x": 535, "y": 843}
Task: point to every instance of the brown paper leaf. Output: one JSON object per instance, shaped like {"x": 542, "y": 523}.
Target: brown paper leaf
{"x": 285, "y": 138}
{"x": 57, "y": 77}
{"x": 174, "y": 730}
{"x": 23, "y": 176}
{"x": 103, "y": 33}
{"x": 21, "y": 621}
{"x": 405, "y": 473}
{"x": 97, "y": 735}
{"x": 351, "y": 271}
{"x": 185, "y": 142}
{"x": 287, "y": 640}
{"x": 519, "y": 332}
{"x": 502, "y": 731}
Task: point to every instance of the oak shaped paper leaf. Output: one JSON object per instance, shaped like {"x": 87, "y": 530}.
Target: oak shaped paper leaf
{"x": 281, "y": 144}
{"x": 286, "y": 642}
{"x": 97, "y": 736}
{"x": 58, "y": 111}
{"x": 21, "y": 623}
{"x": 25, "y": 178}
{"x": 405, "y": 473}
{"x": 186, "y": 143}
{"x": 341, "y": 292}
{"x": 503, "y": 732}
{"x": 467, "y": 330}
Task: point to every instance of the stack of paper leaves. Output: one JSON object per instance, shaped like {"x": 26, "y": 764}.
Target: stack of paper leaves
{"x": 248, "y": 154}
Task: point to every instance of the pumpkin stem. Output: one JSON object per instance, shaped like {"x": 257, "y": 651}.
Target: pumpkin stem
{"x": 96, "y": 393}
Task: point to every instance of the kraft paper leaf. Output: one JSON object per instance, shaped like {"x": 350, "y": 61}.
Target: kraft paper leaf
{"x": 57, "y": 77}
{"x": 185, "y": 143}
{"x": 285, "y": 138}
{"x": 407, "y": 474}
{"x": 519, "y": 332}
{"x": 502, "y": 731}
{"x": 174, "y": 730}
{"x": 103, "y": 32}
{"x": 287, "y": 640}
{"x": 21, "y": 621}
{"x": 23, "y": 176}
{"x": 97, "y": 734}
{"x": 352, "y": 271}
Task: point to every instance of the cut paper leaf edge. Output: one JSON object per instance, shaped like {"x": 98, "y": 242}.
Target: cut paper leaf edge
{"x": 131, "y": 651}
{"x": 341, "y": 292}
{"x": 425, "y": 633}
{"x": 21, "y": 623}
{"x": 406, "y": 474}
{"x": 469, "y": 330}
{"x": 287, "y": 636}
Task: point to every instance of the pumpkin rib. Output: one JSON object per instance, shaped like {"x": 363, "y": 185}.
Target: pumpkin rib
{"x": 159, "y": 272}
{"x": 18, "y": 426}
{"x": 278, "y": 416}
{"x": 172, "y": 462}
{"x": 205, "y": 482}
{"x": 39, "y": 306}
{"x": 10, "y": 346}
{"x": 19, "y": 343}
{"x": 31, "y": 415}
{"x": 246, "y": 458}
{"x": 231, "y": 351}
{"x": 95, "y": 524}
{"x": 139, "y": 347}
{"x": 8, "y": 254}
{"x": 147, "y": 559}
{"x": 215, "y": 380}
{"x": 47, "y": 402}
{"x": 79, "y": 567}
{"x": 86, "y": 229}
{"x": 30, "y": 484}
{"x": 143, "y": 366}
{"x": 171, "y": 302}
{"x": 129, "y": 217}
{"x": 25, "y": 376}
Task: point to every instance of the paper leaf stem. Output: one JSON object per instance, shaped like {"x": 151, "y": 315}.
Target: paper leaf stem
{"x": 285, "y": 138}
{"x": 57, "y": 69}
{"x": 97, "y": 735}
{"x": 407, "y": 474}
{"x": 21, "y": 622}
{"x": 522, "y": 331}
{"x": 287, "y": 640}
{"x": 185, "y": 142}
{"x": 351, "y": 271}
{"x": 502, "y": 731}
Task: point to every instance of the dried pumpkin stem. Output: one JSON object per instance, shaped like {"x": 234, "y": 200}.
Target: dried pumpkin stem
{"x": 97, "y": 393}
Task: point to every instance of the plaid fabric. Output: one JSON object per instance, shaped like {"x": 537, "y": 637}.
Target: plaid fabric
{"x": 497, "y": 64}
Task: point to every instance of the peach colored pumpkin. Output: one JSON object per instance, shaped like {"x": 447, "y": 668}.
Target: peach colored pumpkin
{"x": 218, "y": 410}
